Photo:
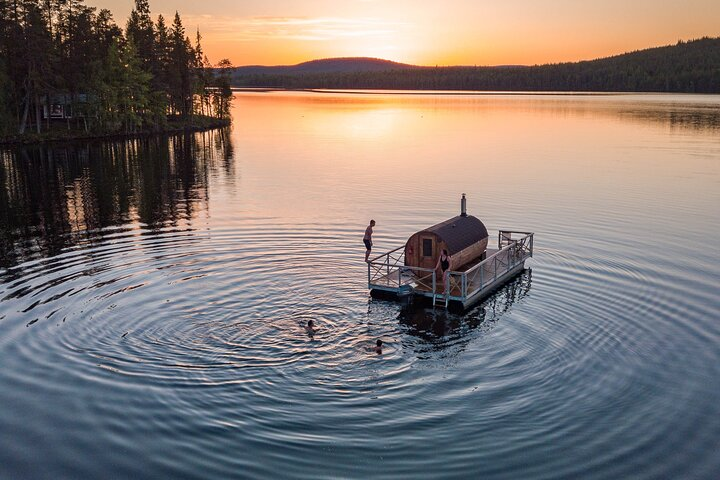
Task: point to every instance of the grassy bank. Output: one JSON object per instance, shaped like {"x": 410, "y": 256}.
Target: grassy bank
{"x": 60, "y": 132}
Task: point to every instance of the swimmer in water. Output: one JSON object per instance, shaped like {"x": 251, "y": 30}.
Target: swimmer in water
{"x": 310, "y": 328}
{"x": 378, "y": 347}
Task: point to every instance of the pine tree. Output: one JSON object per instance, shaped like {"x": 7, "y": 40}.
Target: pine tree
{"x": 6, "y": 116}
{"x": 222, "y": 93}
{"x": 180, "y": 70}
{"x": 140, "y": 30}
{"x": 161, "y": 78}
{"x": 106, "y": 31}
{"x": 124, "y": 90}
{"x": 34, "y": 62}
{"x": 62, "y": 51}
{"x": 202, "y": 76}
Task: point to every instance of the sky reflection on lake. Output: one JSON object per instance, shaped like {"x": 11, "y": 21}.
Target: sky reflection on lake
{"x": 153, "y": 292}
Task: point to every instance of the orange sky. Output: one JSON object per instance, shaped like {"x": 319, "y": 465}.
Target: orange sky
{"x": 433, "y": 32}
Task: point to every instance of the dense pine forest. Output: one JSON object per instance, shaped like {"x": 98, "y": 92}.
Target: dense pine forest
{"x": 67, "y": 67}
{"x": 690, "y": 67}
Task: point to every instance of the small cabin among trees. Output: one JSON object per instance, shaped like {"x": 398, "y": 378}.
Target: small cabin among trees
{"x": 62, "y": 61}
{"x": 60, "y": 106}
{"x": 464, "y": 237}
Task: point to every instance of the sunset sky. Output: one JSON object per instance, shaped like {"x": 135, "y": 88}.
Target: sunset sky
{"x": 433, "y": 32}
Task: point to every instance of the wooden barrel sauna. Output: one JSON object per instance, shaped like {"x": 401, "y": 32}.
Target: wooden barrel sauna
{"x": 465, "y": 238}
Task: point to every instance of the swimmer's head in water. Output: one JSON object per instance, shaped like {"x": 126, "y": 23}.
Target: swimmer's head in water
{"x": 310, "y": 323}
{"x": 378, "y": 343}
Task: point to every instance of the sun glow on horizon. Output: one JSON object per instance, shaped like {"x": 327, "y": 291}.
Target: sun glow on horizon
{"x": 457, "y": 32}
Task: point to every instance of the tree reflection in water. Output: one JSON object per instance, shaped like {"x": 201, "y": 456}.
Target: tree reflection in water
{"x": 56, "y": 197}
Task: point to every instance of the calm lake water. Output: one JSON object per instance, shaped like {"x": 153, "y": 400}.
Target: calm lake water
{"x": 151, "y": 294}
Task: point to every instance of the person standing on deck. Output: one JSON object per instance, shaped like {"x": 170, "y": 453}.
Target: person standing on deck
{"x": 444, "y": 264}
{"x": 367, "y": 239}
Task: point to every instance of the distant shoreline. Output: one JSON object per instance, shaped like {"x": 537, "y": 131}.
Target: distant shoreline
{"x": 479, "y": 93}
{"x": 686, "y": 67}
{"x": 61, "y": 136}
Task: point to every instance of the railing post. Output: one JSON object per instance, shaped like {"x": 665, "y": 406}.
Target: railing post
{"x": 464, "y": 285}
{"x": 368, "y": 265}
{"x": 532, "y": 236}
{"x": 387, "y": 265}
{"x": 434, "y": 286}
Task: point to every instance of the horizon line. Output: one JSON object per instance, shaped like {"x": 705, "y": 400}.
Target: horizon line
{"x": 437, "y": 65}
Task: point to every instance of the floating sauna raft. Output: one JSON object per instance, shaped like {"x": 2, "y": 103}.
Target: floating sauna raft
{"x": 475, "y": 270}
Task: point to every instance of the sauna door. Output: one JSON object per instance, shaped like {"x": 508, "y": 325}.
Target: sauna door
{"x": 426, "y": 251}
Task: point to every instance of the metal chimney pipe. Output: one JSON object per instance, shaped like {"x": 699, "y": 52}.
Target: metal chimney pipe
{"x": 463, "y": 206}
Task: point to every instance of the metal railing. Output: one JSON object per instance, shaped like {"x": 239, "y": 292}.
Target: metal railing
{"x": 389, "y": 270}
{"x": 420, "y": 278}
{"x": 391, "y": 261}
{"x": 513, "y": 251}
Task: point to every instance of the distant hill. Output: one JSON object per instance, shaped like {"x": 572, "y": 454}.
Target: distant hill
{"x": 692, "y": 67}
{"x": 327, "y": 65}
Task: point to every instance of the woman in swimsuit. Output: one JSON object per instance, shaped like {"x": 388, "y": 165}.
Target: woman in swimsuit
{"x": 444, "y": 264}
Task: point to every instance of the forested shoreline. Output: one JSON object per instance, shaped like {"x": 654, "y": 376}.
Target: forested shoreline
{"x": 687, "y": 67}
{"x": 68, "y": 70}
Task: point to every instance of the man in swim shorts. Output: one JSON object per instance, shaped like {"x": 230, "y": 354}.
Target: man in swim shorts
{"x": 367, "y": 239}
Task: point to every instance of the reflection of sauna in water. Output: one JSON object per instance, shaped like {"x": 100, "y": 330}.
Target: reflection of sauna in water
{"x": 55, "y": 197}
{"x": 437, "y": 325}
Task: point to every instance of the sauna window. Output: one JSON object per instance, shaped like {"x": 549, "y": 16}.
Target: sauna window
{"x": 427, "y": 247}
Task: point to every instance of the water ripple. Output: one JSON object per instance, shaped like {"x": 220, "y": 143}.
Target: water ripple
{"x": 163, "y": 334}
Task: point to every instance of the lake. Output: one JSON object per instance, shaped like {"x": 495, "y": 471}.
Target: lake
{"x": 152, "y": 294}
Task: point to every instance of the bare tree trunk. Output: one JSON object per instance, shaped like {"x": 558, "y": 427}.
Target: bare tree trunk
{"x": 37, "y": 113}
{"x": 47, "y": 107}
{"x": 26, "y": 110}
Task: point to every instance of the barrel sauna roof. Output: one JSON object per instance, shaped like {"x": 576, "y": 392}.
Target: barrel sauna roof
{"x": 459, "y": 232}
